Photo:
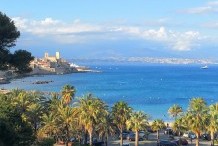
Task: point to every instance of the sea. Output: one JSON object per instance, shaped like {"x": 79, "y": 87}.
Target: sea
{"x": 152, "y": 88}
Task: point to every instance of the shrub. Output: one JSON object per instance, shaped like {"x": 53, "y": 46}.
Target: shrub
{"x": 46, "y": 142}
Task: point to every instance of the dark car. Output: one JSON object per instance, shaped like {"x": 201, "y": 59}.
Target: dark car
{"x": 206, "y": 136}
{"x": 168, "y": 131}
{"x": 182, "y": 141}
{"x": 166, "y": 143}
{"x": 150, "y": 130}
{"x": 131, "y": 137}
{"x": 124, "y": 135}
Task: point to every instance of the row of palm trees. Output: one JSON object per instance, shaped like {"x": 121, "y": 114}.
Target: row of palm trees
{"x": 198, "y": 118}
{"x": 63, "y": 116}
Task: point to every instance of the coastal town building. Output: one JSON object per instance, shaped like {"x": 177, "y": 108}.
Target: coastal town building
{"x": 51, "y": 64}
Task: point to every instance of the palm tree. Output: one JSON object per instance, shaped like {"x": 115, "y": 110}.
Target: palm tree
{"x": 138, "y": 121}
{"x": 120, "y": 114}
{"x": 157, "y": 125}
{"x": 68, "y": 93}
{"x": 91, "y": 112}
{"x": 21, "y": 102}
{"x": 179, "y": 125}
{"x": 49, "y": 124}
{"x": 197, "y": 117}
{"x": 106, "y": 128}
{"x": 213, "y": 124}
{"x": 175, "y": 110}
{"x": 65, "y": 118}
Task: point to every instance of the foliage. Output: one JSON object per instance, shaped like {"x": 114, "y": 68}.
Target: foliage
{"x": 175, "y": 110}
{"x": 46, "y": 142}
{"x": 91, "y": 112}
{"x": 27, "y": 117}
{"x": 68, "y": 93}
{"x": 8, "y": 32}
{"x": 120, "y": 114}
{"x": 7, "y": 134}
{"x": 8, "y": 35}
{"x": 157, "y": 125}
{"x": 137, "y": 121}
{"x": 20, "y": 61}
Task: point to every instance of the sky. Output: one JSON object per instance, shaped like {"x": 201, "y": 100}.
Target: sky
{"x": 116, "y": 28}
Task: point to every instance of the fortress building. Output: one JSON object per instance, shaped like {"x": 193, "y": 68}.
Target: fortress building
{"x": 51, "y": 64}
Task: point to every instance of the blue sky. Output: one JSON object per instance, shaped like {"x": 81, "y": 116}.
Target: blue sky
{"x": 116, "y": 28}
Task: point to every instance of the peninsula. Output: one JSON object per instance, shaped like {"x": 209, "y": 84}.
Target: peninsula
{"x": 45, "y": 66}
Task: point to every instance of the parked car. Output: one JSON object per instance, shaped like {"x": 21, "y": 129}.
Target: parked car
{"x": 166, "y": 143}
{"x": 182, "y": 141}
{"x": 131, "y": 137}
{"x": 206, "y": 136}
{"x": 149, "y": 129}
{"x": 126, "y": 144}
{"x": 189, "y": 135}
{"x": 124, "y": 135}
{"x": 168, "y": 131}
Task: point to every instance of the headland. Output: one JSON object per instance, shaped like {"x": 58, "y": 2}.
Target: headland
{"x": 47, "y": 65}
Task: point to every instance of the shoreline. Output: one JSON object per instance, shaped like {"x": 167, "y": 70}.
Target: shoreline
{"x": 8, "y": 75}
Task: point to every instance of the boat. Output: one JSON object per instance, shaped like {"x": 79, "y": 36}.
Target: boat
{"x": 204, "y": 67}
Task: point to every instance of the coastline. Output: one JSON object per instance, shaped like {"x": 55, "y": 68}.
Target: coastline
{"x": 7, "y": 76}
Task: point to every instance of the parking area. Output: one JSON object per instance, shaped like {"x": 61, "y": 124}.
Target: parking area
{"x": 152, "y": 141}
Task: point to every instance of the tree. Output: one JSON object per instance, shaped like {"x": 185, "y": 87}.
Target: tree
{"x": 7, "y": 134}
{"x": 49, "y": 124}
{"x": 197, "y": 117}
{"x": 120, "y": 114}
{"x": 106, "y": 128}
{"x": 138, "y": 121}
{"x": 8, "y": 35}
{"x": 23, "y": 131}
{"x": 91, "y": 112}
{"x": 8, "y": 32}
{"x": 68, "y": 93}
{"x": 65, "y": 118}
{"x": 213, "y": 124}
{"x": 20, "y": 60}
{"x": 157, "y": 125}
{"x": 175, "y": 110}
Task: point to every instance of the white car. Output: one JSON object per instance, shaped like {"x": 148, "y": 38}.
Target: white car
{"x": 126, "y": 144}
{"x": 189, "y": 135}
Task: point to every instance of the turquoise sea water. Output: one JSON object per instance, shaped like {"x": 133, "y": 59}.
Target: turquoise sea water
{"x": 151, "y": 88}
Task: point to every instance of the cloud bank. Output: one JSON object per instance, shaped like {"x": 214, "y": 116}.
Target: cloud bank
{"x": 80, "y": 32}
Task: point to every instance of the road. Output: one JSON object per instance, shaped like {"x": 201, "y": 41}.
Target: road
{"x": 152, "y": 141}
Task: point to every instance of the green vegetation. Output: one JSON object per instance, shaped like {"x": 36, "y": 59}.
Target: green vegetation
{"x": 120, "y": 114}
{"x": 199, "y": 118}
{"x": 19, "y": 61}
{"x": 157, "y": 125}
{"x": 137, "y": 121}
{"x": 34, "y": 118}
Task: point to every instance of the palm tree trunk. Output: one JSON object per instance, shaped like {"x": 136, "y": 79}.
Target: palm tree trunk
{"x": 68, "y": 136}
{"x": 136, "y": 138}
{"x": 121, "y": 136}
{"x": 90, "y": 137}
{"x": 157, "y": 135}
{"x": 106, "y": 140}
{"x": 197, "y": 139}
{"x": 86, "y": 137}
{"x": 212, "y": 138}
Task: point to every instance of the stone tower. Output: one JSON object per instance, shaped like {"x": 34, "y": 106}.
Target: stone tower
{"x": 46, "y": 54}
{"x": 57, "y": 55}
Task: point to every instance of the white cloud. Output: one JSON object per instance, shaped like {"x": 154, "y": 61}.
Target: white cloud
{"x": 207, "y": 8}
{"x": 78, "y": 32}
{"x": 211, "y": 25}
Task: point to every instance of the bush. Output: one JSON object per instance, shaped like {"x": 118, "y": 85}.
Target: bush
{"x": 46, "y": 142}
